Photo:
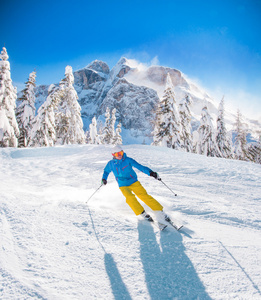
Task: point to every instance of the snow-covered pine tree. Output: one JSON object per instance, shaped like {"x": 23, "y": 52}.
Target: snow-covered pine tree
{"x": 112, "y": 125}
{"x": 254, "y": 151}
{"x": 240, "y": 139}
{"x": 106, "y": 135}
{"x": 167, "y": 128}
{"x": 195, "y": 139}
{"x": 25, "y": 112}
{"x": 69, "y": 125}
{"x": 206, "y": 143}
{"x": 117, "y": 138}
{"x": 99, "y": 129}
{"x": 222, "y": 137}
{"x": 43, "y": 131}
{"x": 9, "y": 130}
{"x": 155, "y": 133}
{"x": 230, "y": 141}
{"x": 185, "y": 122}
{"x": 94, "y": 138}
{"x": 87, "y": 137}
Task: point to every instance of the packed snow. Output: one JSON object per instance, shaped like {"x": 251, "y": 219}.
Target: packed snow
{"x": 54, "y": 245}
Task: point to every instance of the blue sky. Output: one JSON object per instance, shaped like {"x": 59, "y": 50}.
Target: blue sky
{"x": 216, "y": 43}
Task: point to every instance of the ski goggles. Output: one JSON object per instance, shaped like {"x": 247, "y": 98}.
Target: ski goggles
{"x": 117, "y": 154}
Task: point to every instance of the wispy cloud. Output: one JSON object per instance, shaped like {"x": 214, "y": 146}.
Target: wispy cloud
{"x": 248, "y": 103}
{"x": 142, "y": 58}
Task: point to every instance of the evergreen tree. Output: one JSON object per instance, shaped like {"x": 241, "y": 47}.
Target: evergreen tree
{"x": 100, "y": 129}
{"x": 195, "y": 139}
{"x": 222, "y": 138}
{"x": 185, "y": 121}
{"x": 43, "y": 131}
{"x": 69, "y": 125}
{"x": 206, "y": 144}
{"x": 240, "y": 140}
{"x": 230, "y": 142}
{"x": 254, "y": 151}
{"x": 156, "y": 132}
{"x": 94, "y": 138}
{"x": 107, "y": 134}
{"x": 167, "y": 127}
{"x": 9, "y": 130}
{"x": 25, "y": 112}
{"x": 117, "y": 138}
{"x": 112, "y": 125}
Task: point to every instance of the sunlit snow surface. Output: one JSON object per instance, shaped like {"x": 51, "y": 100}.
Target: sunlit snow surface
{"x": 54, "y": 246}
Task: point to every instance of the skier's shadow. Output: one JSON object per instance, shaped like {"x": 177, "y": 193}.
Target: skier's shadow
{"x": 119, "y": 289}
{"x": 168, "y": 271}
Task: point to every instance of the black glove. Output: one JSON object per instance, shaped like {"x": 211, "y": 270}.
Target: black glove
{"x": 154, "y": 174}
{"x": 104, "y": 181}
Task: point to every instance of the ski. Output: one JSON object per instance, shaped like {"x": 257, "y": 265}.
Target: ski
{"x": 157, "y": 224}
{"x": 174, "y": 225}
{"x": 160, "y": 226}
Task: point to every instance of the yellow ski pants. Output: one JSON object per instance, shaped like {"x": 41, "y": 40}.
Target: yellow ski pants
{"x": 141, "y": 193}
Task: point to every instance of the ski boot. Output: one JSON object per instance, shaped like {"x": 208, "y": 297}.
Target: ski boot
{"x": 146, "y": 216}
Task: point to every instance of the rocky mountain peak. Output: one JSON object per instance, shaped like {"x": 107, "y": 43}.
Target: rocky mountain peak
{"x": 158, "y": 74}
{"x": 134, "y": 89}
{"x": 123, "y": 61}
{"x": 99, "y": 66}
{"x": 120, "y": 69}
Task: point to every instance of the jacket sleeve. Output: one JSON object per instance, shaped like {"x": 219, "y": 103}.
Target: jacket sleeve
{"x": 140, "y": 167}
{"x": 107, "y": 171}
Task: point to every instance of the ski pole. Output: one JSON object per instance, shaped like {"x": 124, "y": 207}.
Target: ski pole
{"x": 94, "y": 193}
{"x": 167, "y": 186}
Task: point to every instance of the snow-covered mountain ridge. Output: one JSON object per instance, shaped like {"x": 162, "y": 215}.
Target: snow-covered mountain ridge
{"x": 134, "y": 90}
{"x": 54, "y": 246}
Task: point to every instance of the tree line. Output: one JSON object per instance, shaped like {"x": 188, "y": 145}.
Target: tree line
{"x": 173, "y": 129}
{"x": 58, "y": 121}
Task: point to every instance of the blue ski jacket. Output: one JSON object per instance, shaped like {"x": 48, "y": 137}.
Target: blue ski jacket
{"x": 122, "y": 170}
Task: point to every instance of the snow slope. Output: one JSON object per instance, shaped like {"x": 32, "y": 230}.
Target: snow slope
{"x": 54, "y": 246}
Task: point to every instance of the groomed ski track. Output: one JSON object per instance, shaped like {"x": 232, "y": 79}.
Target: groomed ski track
{"x": 54, "y": 246}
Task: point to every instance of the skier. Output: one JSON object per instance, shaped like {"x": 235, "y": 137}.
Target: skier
{"x": 121, "y": 166}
